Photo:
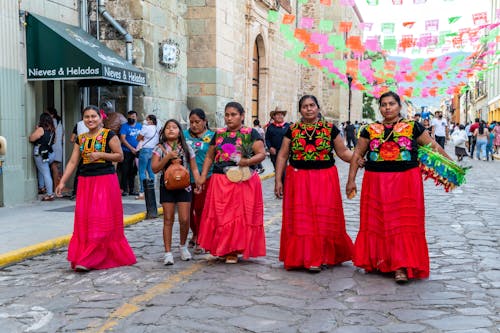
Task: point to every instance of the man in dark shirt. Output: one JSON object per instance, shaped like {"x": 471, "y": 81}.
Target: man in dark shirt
{"x": 472, "y": 128}
{"x": 350, "y": 134}
{"x": 275, "y": 132}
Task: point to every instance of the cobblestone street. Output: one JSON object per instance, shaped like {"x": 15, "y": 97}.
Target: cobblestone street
{"x": 462, "y": 295}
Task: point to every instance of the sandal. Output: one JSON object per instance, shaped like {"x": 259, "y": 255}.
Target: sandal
{"x": 400, "y": 276}
{"x": 140, "y": 196}
{"x": 42, "y": 190}
{"x": 48, "y": 198}
{"x": 232, "y": 259}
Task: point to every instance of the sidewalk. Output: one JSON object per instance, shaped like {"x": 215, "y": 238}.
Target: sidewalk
{"x": 32, "y": 229}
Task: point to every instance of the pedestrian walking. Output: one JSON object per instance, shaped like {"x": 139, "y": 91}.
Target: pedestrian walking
{"x": 275, "y": 132}
{"x": 313, "y": 231}
{"x": 482, "y": 136}
{"x": 472, "y": 129}
{"x": 235, "y": 189}
{"x": 172, "y": 149}
{"x": 198, "y": 136}
{"x": 391, "y": 236}
{"x": 496, "y": 142}
{"x": 128, "y": 137}
{"x": 459, "y": 139}
{"x": 98, "y": 240}
{"x": 148, "y": 138}
{"x": 43, "y": 137}
{"x": 260, "y": 130}
{"x": 440, "y": 129}
{"x": 350, "y": 134}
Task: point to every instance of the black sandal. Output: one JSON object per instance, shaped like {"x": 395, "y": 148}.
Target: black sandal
{"x": 400, "y": 276}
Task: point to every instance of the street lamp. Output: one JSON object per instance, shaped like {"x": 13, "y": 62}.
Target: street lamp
{"x": 349, "y": 81}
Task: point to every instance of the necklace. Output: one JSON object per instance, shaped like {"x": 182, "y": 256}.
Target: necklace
{"x": 392, "y": 130}
{"x": 310, "y": 135}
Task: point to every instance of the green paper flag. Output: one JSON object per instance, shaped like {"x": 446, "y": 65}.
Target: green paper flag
{"x": 338, "y": 42}
{"x": 272, "y": 16}
{"x": 303, "y": 1}
{"x": 287, "y": 32}
{"x": 340, "y": 65}
{"x": 453, "y": 19}
{"x": 326, "y": 25}
{"x": 390, "y": 43}
{"x": 372, "y": 2}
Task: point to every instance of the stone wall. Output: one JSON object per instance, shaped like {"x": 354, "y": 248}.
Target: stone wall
{"x": 151, "y": 23}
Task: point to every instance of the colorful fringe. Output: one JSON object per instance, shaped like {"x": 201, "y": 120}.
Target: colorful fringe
{"x": 442, "y": 170}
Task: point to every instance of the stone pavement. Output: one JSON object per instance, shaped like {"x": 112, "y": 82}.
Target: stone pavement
{"x": 205, "y": 295}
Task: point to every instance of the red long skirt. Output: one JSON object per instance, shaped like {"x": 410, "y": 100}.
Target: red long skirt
{"x": 392, "y": 226}
{"x": 233, "y": 218}
{"x": 197, "y": 206}
{"x": 98, "y": 240}
{"x": 313, "y": 230}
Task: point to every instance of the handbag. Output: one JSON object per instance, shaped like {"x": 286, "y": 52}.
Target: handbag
{"x": 176, "y": 176}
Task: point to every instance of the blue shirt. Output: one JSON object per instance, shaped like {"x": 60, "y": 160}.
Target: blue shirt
{"x": 131, "y": 132}
{"x": 200, "y": 147}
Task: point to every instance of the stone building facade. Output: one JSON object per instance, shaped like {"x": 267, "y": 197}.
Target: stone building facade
{"x": 195, "y": 53}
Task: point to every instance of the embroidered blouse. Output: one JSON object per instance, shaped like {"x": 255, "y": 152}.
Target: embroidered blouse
{"x": 392, "y": 148}
{"x": 311, "y": 145}
{"x": 97, "y": 143}
{"x": 200, "y": 148}
{"x": 230, "y": 146}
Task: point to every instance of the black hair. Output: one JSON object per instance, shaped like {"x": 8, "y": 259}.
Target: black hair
{"x": 303, "y": 98}
{"x": 53, "y": 112}
{"x": 132, "y": 112}
{"x": 200, "y": 114}
{"x": 181, "y": 139}
{"x": 235, "y": 105}
{"x": 390, "y": 94}
{"x": 46, "y": 122}
{"x": 256, "y": 122}
{"x": 461, "y": 126}
{"x": 481, "y": 128}
{"x": 152, "y": 117}
{"x": 92, "y": 107}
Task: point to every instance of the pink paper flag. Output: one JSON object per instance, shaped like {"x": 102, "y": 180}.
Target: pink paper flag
{"x": 480, "y": 18}
{"x": 306, "y": 22}
{"x": 397, "y": 2}
{"x": 431, "y": 25}
{"x": 347, "y": 2}
{"x": 366, "y": 26}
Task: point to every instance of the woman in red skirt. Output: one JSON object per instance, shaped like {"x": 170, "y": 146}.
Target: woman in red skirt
{"x": 391, "y": 236}
{"x": 313, "y": 233}
{"x": 98, "y": 240}
{"x": 232, "y": 222}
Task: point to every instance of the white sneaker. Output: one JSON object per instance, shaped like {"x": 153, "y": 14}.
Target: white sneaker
{"x": 185, "y": 254}
{"x": 168, "y": 259}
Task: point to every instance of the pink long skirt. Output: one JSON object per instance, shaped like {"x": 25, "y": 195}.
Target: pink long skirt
{"x": 233, "y": 218}
{"x": 98, "y": 240}
{"x": 313, "y": 232}
{"x": 392, "y": 226}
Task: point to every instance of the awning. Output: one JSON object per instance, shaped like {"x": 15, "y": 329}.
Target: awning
{"x": 59, "y": 51}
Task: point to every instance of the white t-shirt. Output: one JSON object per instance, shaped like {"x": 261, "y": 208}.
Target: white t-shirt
{"x": 81, "y": 128}
{"x": 439, "y": 126}
{"x": 151, "y": 136}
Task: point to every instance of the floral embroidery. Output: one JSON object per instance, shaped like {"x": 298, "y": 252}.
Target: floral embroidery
{"x": 389, "y": 151}
{"x": 315, "y": 148}
{"x": 226, "y": 151}
{"x": 396, "y": 146}
{"x": 90, "y": 145}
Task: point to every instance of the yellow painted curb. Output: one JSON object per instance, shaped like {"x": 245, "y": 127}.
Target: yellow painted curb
{"x": 40, "y": 248}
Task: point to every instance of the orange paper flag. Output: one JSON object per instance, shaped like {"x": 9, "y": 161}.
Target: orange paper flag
{"x": 288, "y": 18}
{"x": 345, "y": 26}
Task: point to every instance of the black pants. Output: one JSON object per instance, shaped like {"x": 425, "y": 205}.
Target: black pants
{"x": 441, "y": 140}
{"x": 472, "y": 147}
{"x": 351, "y": 141}
{"x": 129, "y": 171}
